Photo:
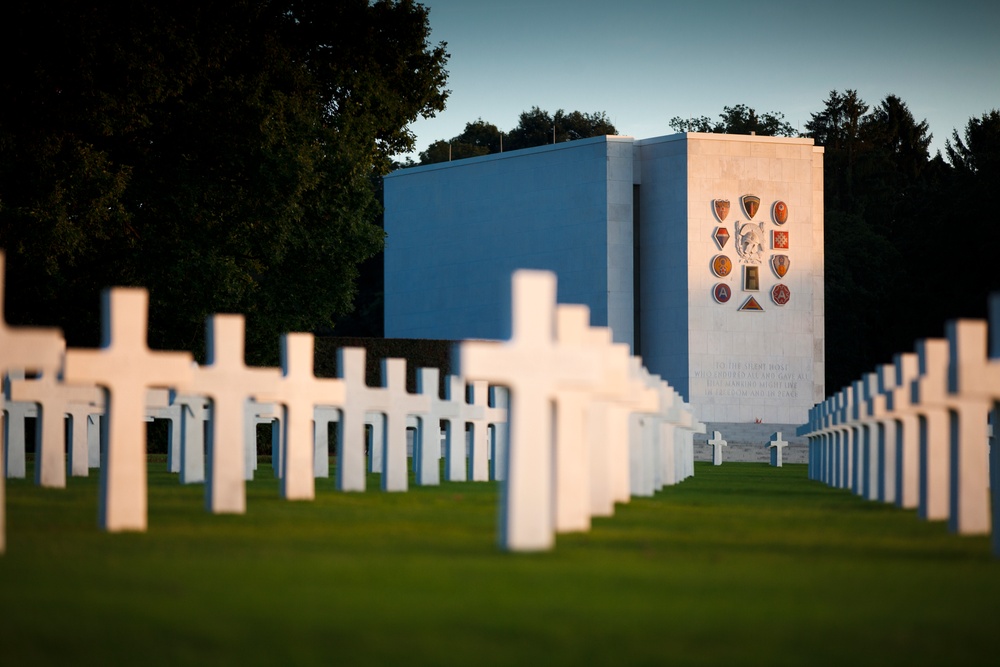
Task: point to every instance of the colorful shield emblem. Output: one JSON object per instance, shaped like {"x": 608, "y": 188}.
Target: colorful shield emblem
{"x": 780, "y": 264}
{"x": 722, "y": 292}
{"x": 750, "y": 204}
{"x": 780, "y": 294}
{"x": 779, "y": 240}
{"x": 722, "y": 266}
{"x": 721, "y": 236}
{"x": 780, "y": 212}
{"x": 752, "y": 305}
{"x": 721, "y": 209}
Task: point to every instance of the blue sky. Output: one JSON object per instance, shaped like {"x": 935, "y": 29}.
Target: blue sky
{"x": 645, "y": 61}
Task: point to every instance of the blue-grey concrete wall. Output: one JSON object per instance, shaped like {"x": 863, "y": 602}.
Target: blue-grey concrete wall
{"x": 457, "y": 230}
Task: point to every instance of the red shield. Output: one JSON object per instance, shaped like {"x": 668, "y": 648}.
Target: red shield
{"x": 780, "y": 264}
{"x": 721, "y": 209}
{"x": 780, "y": 212}
{"x": 722, "y": 292}
{"x": 750, "y": 204}
{"x": 779, "y": 240}
{"x": 780, "y": 294}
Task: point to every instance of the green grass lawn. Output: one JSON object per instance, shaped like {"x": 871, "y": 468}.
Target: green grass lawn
{"x": 742, "y": 564}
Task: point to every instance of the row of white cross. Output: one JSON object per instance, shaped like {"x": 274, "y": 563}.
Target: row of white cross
{"x": 915, "y": 432}
{"x": 617, "y": 430}
{"x": 187, "y": 415}
{"x": 589, "y": 426}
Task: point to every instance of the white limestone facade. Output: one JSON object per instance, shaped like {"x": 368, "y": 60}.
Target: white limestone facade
{"x": 629, "y": 227}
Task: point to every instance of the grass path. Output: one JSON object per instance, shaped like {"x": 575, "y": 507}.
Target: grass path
{"x": 742, "y": 564}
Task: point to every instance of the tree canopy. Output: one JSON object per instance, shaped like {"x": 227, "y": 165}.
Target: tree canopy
{"x": 890, "y": 207}
{"x": 223, "y": 154}
{"x": 739, "y": 119}
{"x": 535, "y": 127}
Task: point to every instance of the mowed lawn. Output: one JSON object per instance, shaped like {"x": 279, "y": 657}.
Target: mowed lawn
{"x": 742, "y": 564}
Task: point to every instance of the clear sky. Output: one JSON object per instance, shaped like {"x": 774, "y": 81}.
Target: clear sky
{"x": 646, "y": 61}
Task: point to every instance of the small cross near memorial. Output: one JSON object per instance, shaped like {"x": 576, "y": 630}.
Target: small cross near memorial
{"x": 717, "y": 444}
{"x": 777, "y": 444}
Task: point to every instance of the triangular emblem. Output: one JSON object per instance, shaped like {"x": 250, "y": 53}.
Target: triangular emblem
{"x": 752, "y": 305}
{"x": 721, "y": 209}
{"x": 750, "y": 204}
{"x": 780, "y": 264}
{"x": 721, "y": 236}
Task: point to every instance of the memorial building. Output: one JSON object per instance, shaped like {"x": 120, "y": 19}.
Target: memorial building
{"x": 704, "y": 252}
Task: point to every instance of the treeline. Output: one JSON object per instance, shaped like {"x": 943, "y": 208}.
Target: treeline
{"x": 535, "y": 127}
{"x": 225, "y": 155}
{"x": 909, "y": 237}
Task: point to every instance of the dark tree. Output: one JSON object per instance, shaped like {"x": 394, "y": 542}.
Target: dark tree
{"x": 739, "y": 119}
{"x": 838, "y": 129}
{"x": 535, "y": 127}
{"x": 223, "y": 154}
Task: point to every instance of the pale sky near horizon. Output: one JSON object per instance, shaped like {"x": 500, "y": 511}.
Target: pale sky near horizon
{"x": 645, "y": 61}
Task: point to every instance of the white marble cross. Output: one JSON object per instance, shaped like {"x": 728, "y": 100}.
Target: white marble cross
{"x": 25, "y": 348}
{"x": 479, "y": 465}
{"x": 857, "y": 437}
{"x": 401, "y": 404}
{"x": 899, "y": 403}
{"x": 322, "y": 418}
{"x": 533, "y": 366}
{"x": 497, "y": 416}
{"x": 81, "y": 413}
{"x": 427, "y": 457}
{"x": 194, "y": 412}
{"x": 571, "y": 454}
{"x": 777, "y": 444}
{"x": 968, "y": 412}
{"x": 95, "y": 436}
{"x": 14, "y": 433}
{"x": 717, "y": 444}
{"x": 359, "y": 399}
{"x": 125, "y": 367}
{"x": 994, "y": 382}
{"x": 844, "y": 433}
{"x": 927, "y": 391}
{"x": 159, "y": 406}
{"x": 300, "y": 391}
{"x": 455, "y": 448}
{"x": 53, "y": 399}
{"x": 228, "y": 382}
{"x": 257, "y": 413}
{"x": 868, "y": 433}
{"x": 621, "y": 391}
{"x": 885, "y": 433}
